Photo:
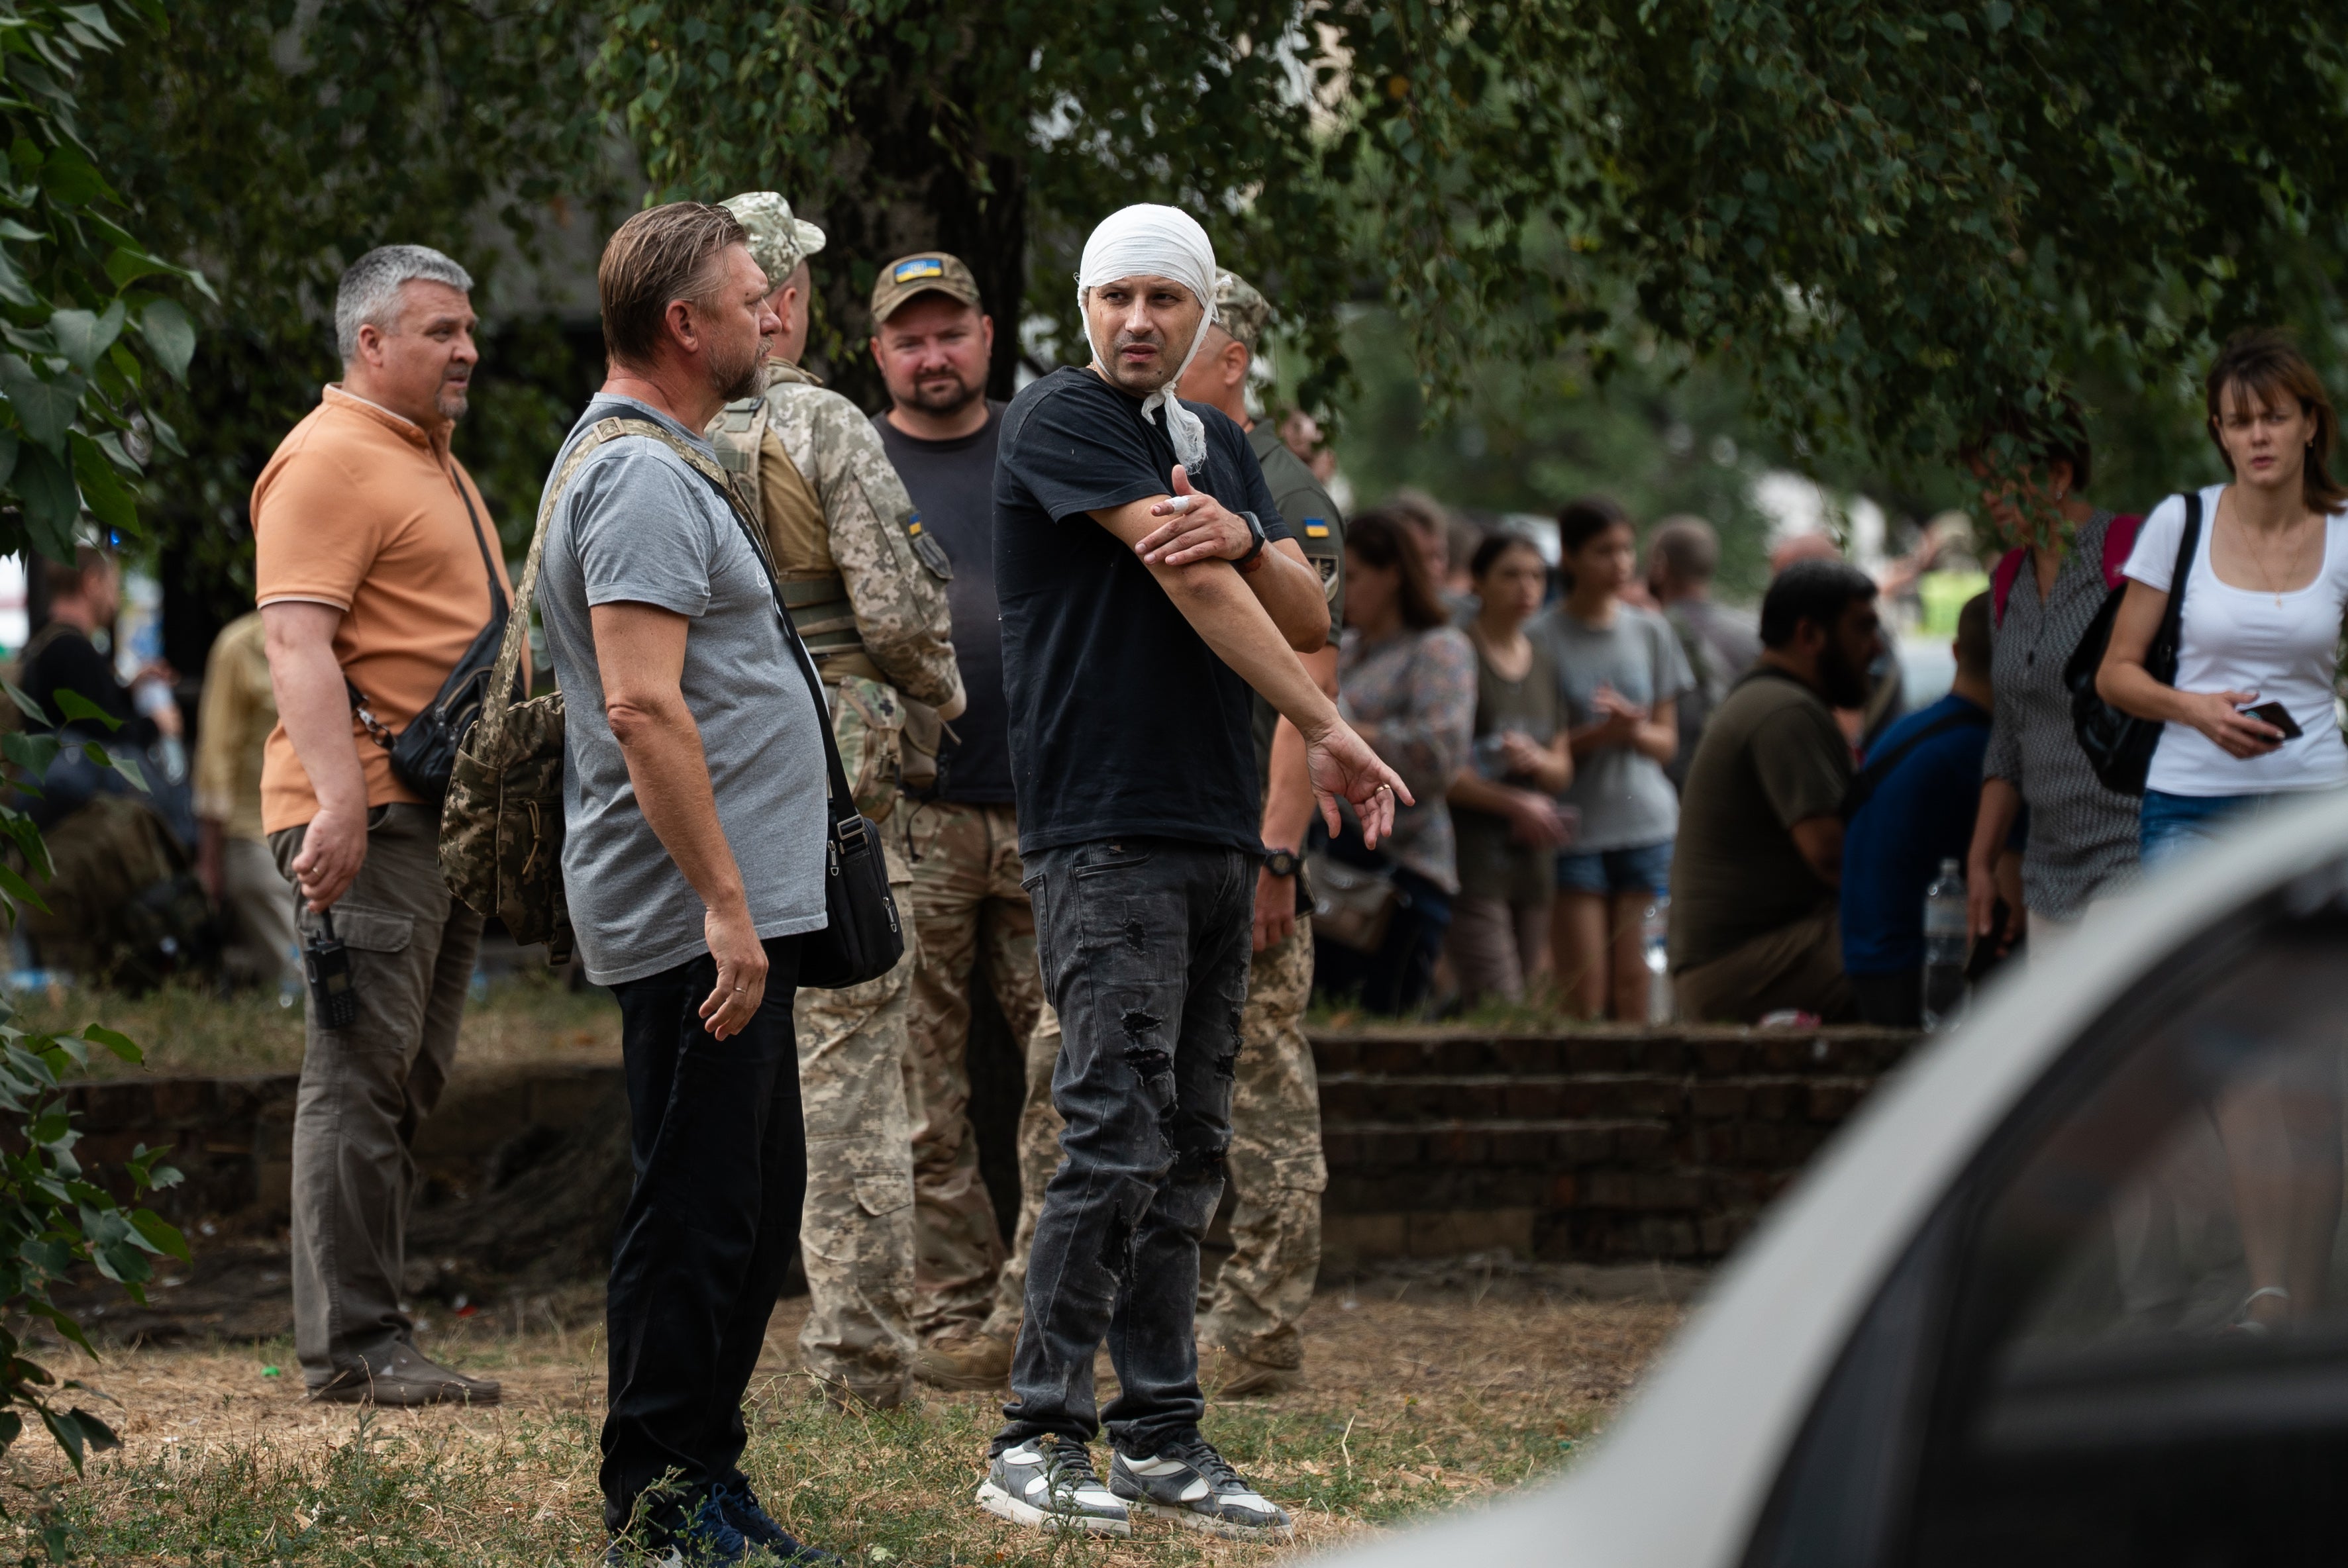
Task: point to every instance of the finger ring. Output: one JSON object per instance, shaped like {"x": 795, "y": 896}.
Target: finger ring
{"x": 741, "y": 988}
{"x": 1385, "y": 789}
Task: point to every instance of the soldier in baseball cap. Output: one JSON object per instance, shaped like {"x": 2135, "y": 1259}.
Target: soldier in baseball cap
{"x": 923, "y": 273}
{"x": 1240, "y": 310}
{"x": 779, "y": 239}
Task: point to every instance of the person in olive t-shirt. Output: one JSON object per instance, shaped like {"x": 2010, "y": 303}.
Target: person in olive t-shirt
{"x": 1753, "y": 879}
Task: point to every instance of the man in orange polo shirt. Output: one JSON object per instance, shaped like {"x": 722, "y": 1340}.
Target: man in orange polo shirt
{"x": 374, "y": 560}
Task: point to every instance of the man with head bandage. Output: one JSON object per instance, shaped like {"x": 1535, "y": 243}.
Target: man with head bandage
{"x": 1147, "y": 581}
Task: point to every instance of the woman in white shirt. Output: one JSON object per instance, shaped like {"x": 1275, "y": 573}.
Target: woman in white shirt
{"x": 2263, "y": 602}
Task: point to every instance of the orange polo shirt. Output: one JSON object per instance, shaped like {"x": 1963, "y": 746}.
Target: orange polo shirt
{"x": 361, "y": 509}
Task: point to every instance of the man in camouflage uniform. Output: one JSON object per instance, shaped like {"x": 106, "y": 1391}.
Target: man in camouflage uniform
{"x": 868, "y": 595}
{"x": 1277, "y": 1173}
{"x": 934, "y": 343}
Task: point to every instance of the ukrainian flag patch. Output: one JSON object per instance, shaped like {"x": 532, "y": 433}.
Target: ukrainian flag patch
{"x": 1315, "y": 528}
{"x": 918, "y": 267}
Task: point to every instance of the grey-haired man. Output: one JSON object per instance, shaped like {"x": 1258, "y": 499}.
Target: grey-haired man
{"x": 375, "y": 567}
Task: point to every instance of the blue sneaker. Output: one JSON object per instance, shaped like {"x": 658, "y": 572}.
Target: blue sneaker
{"x": 739, "y": 1506}
{"x": 704, "y": 1539}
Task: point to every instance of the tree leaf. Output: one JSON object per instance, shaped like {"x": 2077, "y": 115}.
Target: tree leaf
{"x": 46, "y": 408}
{"x": 52, "y": 503}
{"x": 72, "y": 705}
{"x": 170, "y": 334}
{"x": 102, "y": 488}
{"x": 69, "y": 177}
{"x": 12, "y": 287}
{"x": 165, "y": 1236}
{"x": 121, "y": 1044}
{"x": 25, "y": 704}
{"x": 8, "y": 456}
{"x": 83, "y": 335}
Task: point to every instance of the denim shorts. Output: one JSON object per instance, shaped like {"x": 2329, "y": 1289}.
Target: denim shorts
{"x": 2172, "y": 824}
{"x": 1643, "y": 868}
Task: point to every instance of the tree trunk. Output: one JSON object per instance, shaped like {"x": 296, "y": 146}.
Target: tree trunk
{"x": 897, "y": 188}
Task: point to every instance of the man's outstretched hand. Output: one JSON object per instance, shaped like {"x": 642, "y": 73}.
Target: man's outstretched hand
{"x": 1342, "y": 764}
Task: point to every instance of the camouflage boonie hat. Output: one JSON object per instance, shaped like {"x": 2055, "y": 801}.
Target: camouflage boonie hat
{"x": 1238, "y": 309}
{"x": 778, "y": 240}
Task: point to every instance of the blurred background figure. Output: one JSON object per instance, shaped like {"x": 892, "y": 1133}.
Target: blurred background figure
{"x": 1621, "y": 675}
{"x": 1910, "y": 808}
{"x": 1407, "y": 680}
{"x": 2065, "y": 556}
{"x": 1719, "y": 643}
{"x": 1430, "y": 531}
{"x": 232, "y": 858}
{"x": 1504, "y": 807}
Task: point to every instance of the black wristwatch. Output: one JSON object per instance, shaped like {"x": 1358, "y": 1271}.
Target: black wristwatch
{"x": 1255, "y": 531}
{"x": 1281, "y": 863}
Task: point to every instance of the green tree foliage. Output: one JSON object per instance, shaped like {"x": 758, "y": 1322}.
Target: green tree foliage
{"x": 80, "y": 296}
{"x": 77, "y": 290}
{"x": 1886, "y": 217}
{"x": 274, "y": 143}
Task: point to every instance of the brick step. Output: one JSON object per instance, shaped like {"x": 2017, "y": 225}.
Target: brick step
{"x": 1556, "y": 1144}
{"x": 1711, "y": 1052}
{"x": 1475, "y": 1097}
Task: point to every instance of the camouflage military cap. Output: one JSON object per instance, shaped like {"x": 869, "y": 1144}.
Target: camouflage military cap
{"x": 1238, "y": 309}
{"x": 779, "y": 242}
{"x": 925, "y": 271}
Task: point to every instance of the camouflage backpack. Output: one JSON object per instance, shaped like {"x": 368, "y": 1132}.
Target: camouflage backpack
{"x": 501, "y": 826}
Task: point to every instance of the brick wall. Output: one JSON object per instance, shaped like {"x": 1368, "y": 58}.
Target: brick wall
{"x": 1603, "y": 1146}
{"x": 1607, "y": 1146}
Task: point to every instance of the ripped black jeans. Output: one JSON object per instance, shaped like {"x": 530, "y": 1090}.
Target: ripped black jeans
{"x": 1144, "y": 945}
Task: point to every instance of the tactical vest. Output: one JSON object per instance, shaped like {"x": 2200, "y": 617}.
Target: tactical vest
{"x": 798, "y": 538}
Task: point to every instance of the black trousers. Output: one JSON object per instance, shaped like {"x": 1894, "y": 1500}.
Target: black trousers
{"x": 721, "y": 1170}
{"x": 1144, "y": 946}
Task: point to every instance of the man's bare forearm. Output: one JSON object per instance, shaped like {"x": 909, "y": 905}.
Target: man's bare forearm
{"x": 670, "y": 773}
{"x": 1241, "y": 631}
{"x": 1290, "y": 591}
{"x": 314, "y": 706}
{"x": 1288, "y": 799}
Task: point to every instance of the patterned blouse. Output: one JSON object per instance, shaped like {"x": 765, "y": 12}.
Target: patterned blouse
{"x": 2083, "y": 836}
{"x": 1419, "y": 689}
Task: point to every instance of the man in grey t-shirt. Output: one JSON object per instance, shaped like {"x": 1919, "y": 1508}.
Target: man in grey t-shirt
{"x": 694, "y": 811}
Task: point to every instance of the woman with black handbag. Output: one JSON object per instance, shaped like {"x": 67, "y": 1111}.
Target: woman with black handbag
{"x": 2249, "y": 719}
{"x": 2247, "y": 715}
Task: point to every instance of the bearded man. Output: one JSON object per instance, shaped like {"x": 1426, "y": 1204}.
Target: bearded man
{"x": 1147, "y": 581}
{"x": 1755, "y": 924}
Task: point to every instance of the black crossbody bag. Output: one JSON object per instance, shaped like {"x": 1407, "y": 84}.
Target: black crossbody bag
{"x": 2119, "y": 746}
{"x": 425, "y": 754}
{"x": 862, "y": 939}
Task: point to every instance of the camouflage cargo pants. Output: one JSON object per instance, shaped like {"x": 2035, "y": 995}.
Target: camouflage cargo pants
{"x": 856, "y": 1233}
{"x": 1277, "y": 1171}
{"x": 970, "y": 914}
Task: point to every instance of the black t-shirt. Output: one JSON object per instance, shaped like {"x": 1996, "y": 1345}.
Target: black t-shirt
{"x": 68, "y": 660}
{"x": 1123, "y": 721}
{"x": 952, "y": 486}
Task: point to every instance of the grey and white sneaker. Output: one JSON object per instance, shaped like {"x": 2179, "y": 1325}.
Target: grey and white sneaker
{"x": 1051, "y": 1484}
{"x": 1193, "y": 1485}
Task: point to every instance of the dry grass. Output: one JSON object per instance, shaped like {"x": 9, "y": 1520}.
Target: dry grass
{"x": 1408, "y": 1405}
{"x": 527, "y": 1016}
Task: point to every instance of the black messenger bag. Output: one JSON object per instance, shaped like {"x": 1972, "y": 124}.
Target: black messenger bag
{"x": 2119, "y": 746}
{"x": 424, "y": 755}
{"x": 862, "y": 939}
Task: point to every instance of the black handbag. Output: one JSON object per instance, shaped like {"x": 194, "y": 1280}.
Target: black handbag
{"x": 2120, "y": 745}
{"x": 424, "y": 755}
{"x": 862, "y": 939}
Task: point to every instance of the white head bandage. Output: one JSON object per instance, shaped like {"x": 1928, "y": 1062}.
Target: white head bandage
{"x": 1152, "y": 241}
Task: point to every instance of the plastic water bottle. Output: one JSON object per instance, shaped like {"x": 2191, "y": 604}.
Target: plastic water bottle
{"x": 1656, "y": 932}
{"x": 1944, "y": 948}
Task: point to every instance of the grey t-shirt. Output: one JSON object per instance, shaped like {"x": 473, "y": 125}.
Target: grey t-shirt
{"x": 1626, "y": 802}
{"x": 640, "y": 526}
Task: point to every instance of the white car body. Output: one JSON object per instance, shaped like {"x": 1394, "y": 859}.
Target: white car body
{"x": 1682, "y": 1477}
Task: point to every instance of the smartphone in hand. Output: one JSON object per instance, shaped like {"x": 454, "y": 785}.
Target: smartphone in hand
{"x": 2273, "y": 713}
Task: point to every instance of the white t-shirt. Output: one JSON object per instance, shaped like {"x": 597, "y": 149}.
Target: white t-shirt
{"x": 2241, "y": 639}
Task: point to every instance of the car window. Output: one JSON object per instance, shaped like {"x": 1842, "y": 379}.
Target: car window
{"x": 2123, "y": 1335}
{"x": 2146, "y": 1352}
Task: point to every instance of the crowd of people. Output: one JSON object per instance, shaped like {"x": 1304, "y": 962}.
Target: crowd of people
{"x": 1158, "y": 744}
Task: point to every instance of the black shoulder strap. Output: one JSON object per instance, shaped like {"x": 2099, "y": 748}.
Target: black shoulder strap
{"x": 1879, "y": 767}
{"x": 497, "y": 588}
